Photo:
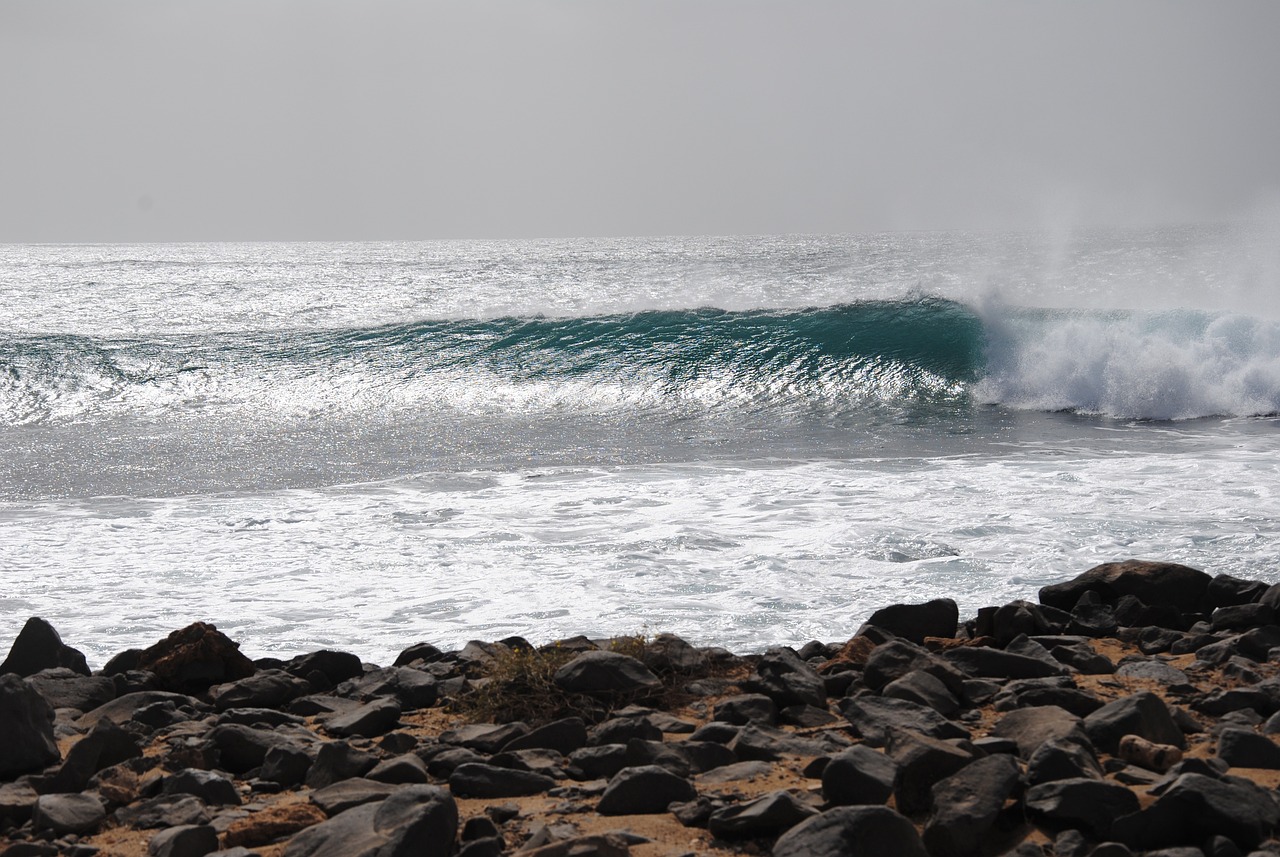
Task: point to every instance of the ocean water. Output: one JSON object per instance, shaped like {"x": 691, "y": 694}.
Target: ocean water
{"x": 746, "y": 441}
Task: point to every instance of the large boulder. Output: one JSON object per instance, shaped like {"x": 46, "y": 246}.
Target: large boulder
{"x": 767, "y": 815}
{"x": 263, "y": 689}
{"x": 1143, "y": 714}
{"x": 415, "y": 820}
{"x": 914, "y": 622}
{"x": 858, "y": 776}
{"x": 1196, "y": 807}
{"x": 106, "y": 744}
{"x": 967, "y": 803}
{"x": 26, "y": 722}
{"x": 922, "y": 762}
{"x": 605, "y": 672}
{"x": 1153, "y": 583}
{"x": 874, "y": 717}
{"x": 487, "y": 781}
{"x": 1031, "y": 727}
{"x": 66, "y": 688}
{"x": 38, "y": 647}
{"x": 849, "y": 830}
{"x": 644, "y": 790}
{"x": 1083, "y": 804}
{"x": 194, "y": 658}
{"x": 63, "y": 814}
{"x": 787, "y": 680}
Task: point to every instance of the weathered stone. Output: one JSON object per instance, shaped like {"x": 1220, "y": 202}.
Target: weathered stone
{"x": 195, "y": 658}
{"x": 16, "y": 802}
{"x": 756, "y": 742}
{"x": 123, "y": 708}
{"x": 667, "y": 654}
{"x": 242, "y": 748}
{"x": 1152, "y": 583}
{"x": 604, "y": 673}
{"x": 914, "y": 622}
{"x": 26, "y": 722}
{"x": 858, "y": 775}
{"x": 1084, "y": 804}
{"x": 874, "y": 717}
{"x": 1031, "y": 727}
{"x": 65, "y": 688}
{"x": 1244, "y": 748}
{"x": 1156, "y": 671}
{"x": 983, "y": 662}
{"x": 38, "y": 647}
{"x": 339, "y": 760}
{"x": 405, "y": 768}
{"x": 418, "y": 652}
{"x": 343, "y": 795}
{"x": 1083, "y": 659}
{"x": 415, "y": 820}
{"x": 485, "y": 737}
{"x": 966, "y": 805}
{"x": 563, "y": 736}
{"x": 163, "y": 811}
{"x": 106, "y": 745}
{"x": 412, "y": 688}
{"x": 188, "y": 840}
{"x": 1241, "y": 617}
{"x": 645, "y": 790}
{"x": 767, "y": 815}
{"x": 1195, "y": 807}
{"x": 367, "y": 721}
{"x": 263, "y": 689}
{"x": 602, "y": 761}
{"x": 1063, "y": 759}
{"x": 746, "y": 708}
{"x": 848, "y": 830}
{"x": 286, "y": 766}
{"x": 210, "y": 786}
{"x": 1093, "y": 620}
{"x": 896, "y": 658}
{"x": 1225, "y": 591}
{"x": 787, "y": 680}
{"x": 736, "y": 771}
{"x": 592, "y": 845}
{"x": 334, "y": 666}
{"x": 1143, "y": 714}
{"x": 921, "y": 762}
{"x": 487, "y": 781}
{"x": 68, "y": 813}
{"x": 922, "y": 688}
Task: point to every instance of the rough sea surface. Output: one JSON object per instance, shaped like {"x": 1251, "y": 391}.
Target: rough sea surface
{"x": 746, "y": 441}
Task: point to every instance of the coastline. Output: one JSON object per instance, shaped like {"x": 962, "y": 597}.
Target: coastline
{"x": 1134, "y": 704}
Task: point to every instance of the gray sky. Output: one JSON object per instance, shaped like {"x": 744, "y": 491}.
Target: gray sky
{"x": 161, "y": 120}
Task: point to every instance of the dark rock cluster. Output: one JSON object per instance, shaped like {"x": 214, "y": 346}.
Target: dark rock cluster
{"x": 1130, "y": 711}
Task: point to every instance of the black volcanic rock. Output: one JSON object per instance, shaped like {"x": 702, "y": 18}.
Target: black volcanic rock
{"x": 1153, "y": 583}
{"x": 848, "y": 830}
{"x": 914, "y": 622}
{"x": 26, "y": 722}
{"x": 38, "y": 647}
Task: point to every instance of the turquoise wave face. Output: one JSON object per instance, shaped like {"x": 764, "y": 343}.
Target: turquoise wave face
{"x": 887, "y": 351}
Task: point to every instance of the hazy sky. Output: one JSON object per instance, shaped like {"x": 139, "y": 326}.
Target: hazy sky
{"x": 371, "y": 119}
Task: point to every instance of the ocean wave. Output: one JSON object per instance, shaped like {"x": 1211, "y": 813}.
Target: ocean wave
{"x": 920, "y": 352}
{"x": 894, "y": 352}
{"x": 1171, "y": 365}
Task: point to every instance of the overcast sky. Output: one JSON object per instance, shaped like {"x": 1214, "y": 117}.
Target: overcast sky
{"x": 379, "y": 119}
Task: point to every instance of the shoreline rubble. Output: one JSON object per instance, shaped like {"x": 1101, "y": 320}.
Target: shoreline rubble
{"x": 1131, "y": 710}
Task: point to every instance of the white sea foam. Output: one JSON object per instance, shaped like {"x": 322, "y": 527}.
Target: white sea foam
{"x": 743, "y": 556}
{"x": 1170, "y": 365}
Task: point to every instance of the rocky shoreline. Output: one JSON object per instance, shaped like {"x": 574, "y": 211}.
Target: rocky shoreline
{"x": 1131, "y": 710}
